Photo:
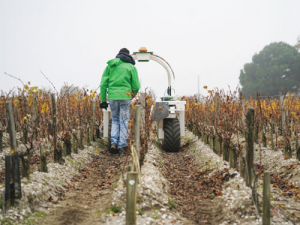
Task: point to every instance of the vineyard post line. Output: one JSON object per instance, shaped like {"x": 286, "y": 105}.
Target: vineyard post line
{"x": 34, "y": 118}
{"x": 57, "y": 149}
{"x": 11, "y": 125}
{"x": 12, "y": 168}
{"x": 137, "y": 124}
{"x": 266, "y": 199}
{"x": 215, "y": 135}
{"x": 93, "y": 123}
{"x": 131, "y": 197}
{"x": 283, "y": 124}
{"x": 143, "y": 106}
{"x": 250, "y": 146}
{"x": 10, "y": 160}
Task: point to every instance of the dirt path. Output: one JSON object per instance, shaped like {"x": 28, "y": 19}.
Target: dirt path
{"x": 88, "y": 195}
{"x": 191, "y": 191}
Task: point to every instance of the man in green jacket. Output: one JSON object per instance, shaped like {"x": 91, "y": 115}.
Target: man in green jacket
{"x": 120, "y": 77}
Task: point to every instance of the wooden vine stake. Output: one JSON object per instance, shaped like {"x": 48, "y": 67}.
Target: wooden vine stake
{"x": 92, "y": 138}
{"x": 225, "y": 147}
{"x": 242, "y": 166}
{"x": 74, "y": 144}
{"x": 272, "y": 135}
{"x": 287, "y": 147}
{"x": 87, "y": 136}
{"x": 25, "y": 130}
{"x": 11, "y": 125}
{"x": 297, "y": 146}
{"x": 12, "y": 168}
{"x": 137, "y": 124}
{"x": 218, "y": 145}
{"x": 34, "y": 118}
{"x": 266, "y": 199}
{"x": 232, "y": 158}
{"x": 249, "y": 146}
{"x": 131, "y": 189}
{"x": 1, "y": 139}
{"x": 43, "y": 159}
{"x": 143, "y": 106}
{"x": 215, "y": 136}
{"x": 57, "y": 151}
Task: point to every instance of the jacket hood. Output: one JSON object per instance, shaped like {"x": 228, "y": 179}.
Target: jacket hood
{"x": 125, "y": 58}
{"x": 114, "y": 62}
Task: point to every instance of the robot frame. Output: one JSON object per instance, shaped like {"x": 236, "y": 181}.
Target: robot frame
{"x": 169, "y": 111}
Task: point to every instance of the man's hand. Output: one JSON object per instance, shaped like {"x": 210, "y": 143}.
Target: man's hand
{"x": 103, "y": 105}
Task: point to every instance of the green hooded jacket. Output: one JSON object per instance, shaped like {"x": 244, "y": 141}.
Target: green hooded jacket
{"x": 121, "y": 79}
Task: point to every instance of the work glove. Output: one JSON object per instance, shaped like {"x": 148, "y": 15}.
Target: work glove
{"x": 103, "y": 105}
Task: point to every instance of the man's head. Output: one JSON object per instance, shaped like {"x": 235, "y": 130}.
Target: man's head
{"x": 124, "y": 50}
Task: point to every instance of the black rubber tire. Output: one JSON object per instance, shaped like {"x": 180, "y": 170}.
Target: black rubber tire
{"x": 171, "y": 142}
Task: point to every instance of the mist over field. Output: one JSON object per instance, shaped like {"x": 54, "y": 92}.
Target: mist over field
{"x": 71, "y": 41}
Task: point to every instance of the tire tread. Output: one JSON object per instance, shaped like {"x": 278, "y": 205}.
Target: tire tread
{"x": 171, "y": 141}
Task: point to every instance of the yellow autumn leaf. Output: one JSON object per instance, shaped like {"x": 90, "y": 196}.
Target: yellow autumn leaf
{"x": 97, "y": 151}
{"x": 12, "y": 152}
{"x": 15, "y": 102}
{"x": 205, "y": 87}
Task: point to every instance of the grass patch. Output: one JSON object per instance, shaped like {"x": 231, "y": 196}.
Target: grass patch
{"x": 140, "y": 211}
{"x": 157, "y": 144}
{"x": 71, "y": 161}
{"x": 101, "y": 143}
{"x": 172, "y": 203}
{"x": 114, "y": 209}
{"x": 29, "y": 219}
{"x": 98, "y": 214}
{"x": 39, "y": 214}
{"x": 5, "y": 221}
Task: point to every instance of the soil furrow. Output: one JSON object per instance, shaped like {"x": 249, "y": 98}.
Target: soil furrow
{"x": 191, "y": 190}
{"x": 89, "y": 193}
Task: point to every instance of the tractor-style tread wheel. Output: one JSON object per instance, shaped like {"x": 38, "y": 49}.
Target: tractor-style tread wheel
{"x": 171, "y": 142}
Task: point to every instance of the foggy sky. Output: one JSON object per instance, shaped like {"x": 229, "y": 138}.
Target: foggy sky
{"x": 71, "y": 41}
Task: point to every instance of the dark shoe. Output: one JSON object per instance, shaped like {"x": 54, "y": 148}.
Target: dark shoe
{"x": 113, "y": 148}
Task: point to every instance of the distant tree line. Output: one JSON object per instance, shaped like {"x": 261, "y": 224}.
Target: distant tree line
{"x": 274, "y": 69}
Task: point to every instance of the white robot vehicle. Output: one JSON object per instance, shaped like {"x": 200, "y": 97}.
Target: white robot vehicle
{"x": 169, "y": 111}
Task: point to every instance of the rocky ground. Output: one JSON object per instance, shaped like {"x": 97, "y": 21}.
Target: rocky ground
{"x": 194, "y": 186}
